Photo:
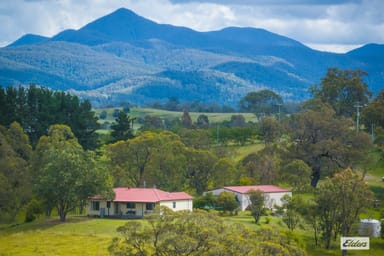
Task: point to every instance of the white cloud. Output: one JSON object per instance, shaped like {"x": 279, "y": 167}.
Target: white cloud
{"x": 336, "y": 48}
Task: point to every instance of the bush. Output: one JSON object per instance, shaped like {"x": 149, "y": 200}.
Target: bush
{"x": 33, "y": 209}
{"x": 382, "y": 228}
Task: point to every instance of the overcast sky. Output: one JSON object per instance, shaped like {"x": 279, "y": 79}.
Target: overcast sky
{"x": 331, "y": 25}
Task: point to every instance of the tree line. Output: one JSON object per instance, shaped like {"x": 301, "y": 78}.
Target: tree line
{"x": 36, "y": 108}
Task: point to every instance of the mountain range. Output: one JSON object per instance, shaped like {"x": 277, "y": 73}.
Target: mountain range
{"x": 123, "y": 57}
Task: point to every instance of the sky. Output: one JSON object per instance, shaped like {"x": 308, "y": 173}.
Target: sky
{"x": 327, "y": 25}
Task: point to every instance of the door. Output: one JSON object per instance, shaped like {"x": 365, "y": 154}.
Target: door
{"x": 116, "y": 207}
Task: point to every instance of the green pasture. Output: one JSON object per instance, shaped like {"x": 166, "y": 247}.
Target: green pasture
{"x": 85, "y": 236}
{"x": 78, "y": 236}
{"x": 171, "y": 115}
{"x": 242, "y": 151}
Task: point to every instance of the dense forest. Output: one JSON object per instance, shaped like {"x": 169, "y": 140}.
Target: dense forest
{"x": 52, "y": 156}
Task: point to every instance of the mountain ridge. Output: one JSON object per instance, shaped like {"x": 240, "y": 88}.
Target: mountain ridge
{"x": 125, "y": 57}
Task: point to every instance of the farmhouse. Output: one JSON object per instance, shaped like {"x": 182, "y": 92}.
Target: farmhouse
{"x": 137, "y": 202}
{"x": 272, "y": 194}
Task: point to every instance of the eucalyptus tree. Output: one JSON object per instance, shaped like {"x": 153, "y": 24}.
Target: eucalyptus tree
{"x": 149, "y": 159}
{"x": 224, "y": 173}
{"x": 195, "y": 138}
{"x": 256, "y": 199}
{"x": 202, "y": 121}
{"x": 269, "y": 129}
{"x": 297, "y": 174}
{"x": 325, "y": 141}
{"x": 339, "y": 201}
{"x": 15, "y": 176}
{"x": 343, "y": 89}
{"x": 261, "y": 102}
{"x": 152, "y": 123}
{"x": 199, "y": 166}
{"x": 65, "y": 174}
{"x": 263, "y": 166}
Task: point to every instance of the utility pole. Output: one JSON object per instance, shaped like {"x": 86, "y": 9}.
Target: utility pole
{"x": 372, "y": 133}
{"x": 217, "y": 133}
{"x": 279, "y": 105}
{"x": 357, "y": 106}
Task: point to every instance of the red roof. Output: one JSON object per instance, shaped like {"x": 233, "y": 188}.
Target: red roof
{"x": 146, "y": 195}
{"x": 263, "y": 188}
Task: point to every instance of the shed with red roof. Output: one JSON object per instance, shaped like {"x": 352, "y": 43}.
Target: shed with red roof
{"x": 137, "y": 202}
{"x": 272, "y": 194}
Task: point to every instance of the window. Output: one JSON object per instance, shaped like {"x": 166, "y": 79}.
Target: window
{"x": 149, "y": 206}
{"x": 131, "y": 205}
{"x": 108, "y": 204}
{"x": 95, "y": 205}
{"x": 174, "y": 205}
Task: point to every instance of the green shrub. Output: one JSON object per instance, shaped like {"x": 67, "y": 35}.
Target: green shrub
{"x": 33, "y": 209}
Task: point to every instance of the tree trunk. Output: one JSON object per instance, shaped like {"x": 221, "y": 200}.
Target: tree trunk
{"x": 81, "y": 207}
{"x": 62, "y": 212}
{"x": 315, "y": 177}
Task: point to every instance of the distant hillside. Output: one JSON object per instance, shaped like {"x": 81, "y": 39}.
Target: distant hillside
{"x": 125, "y": 57}
{"x": 29, "y": 39}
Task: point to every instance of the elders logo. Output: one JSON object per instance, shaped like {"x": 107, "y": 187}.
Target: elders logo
{"x": 354, "y": 243}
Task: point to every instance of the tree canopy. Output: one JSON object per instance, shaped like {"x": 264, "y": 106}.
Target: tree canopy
{"x": 122, "y": 129}
{"x": 36, "y": 108}
{"x": 256, "y": 199}
{"x": 343, "y": 89}
{"x": 198, "y": 233}
{"x": 65, "y": 174}
{"x": 15, "y": 188}
{"x": 326, "y": 142}
{"x": 261, "y": 102}
{"x": 339, "y": 201}
{"x": 373, "y": 118}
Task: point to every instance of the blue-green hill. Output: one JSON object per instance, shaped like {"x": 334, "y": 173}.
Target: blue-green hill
{"x": 125, "y": 57}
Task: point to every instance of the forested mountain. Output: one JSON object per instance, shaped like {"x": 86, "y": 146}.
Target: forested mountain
{"x": 125, "y": 57}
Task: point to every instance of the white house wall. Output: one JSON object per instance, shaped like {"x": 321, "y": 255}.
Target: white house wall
{"x": 178, "y": 205}
{"x": 271, "y": 199}
{"x": 102, "y": 204}
{"x": 275, "y": 199}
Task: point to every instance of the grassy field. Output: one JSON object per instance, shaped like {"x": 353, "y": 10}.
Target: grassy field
{"x": 84, "y": 236}
{"x": 79, "y": 236}
{"x": 171, "y": 115}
